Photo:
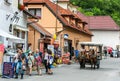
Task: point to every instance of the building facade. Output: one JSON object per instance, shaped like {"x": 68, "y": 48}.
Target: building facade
{"x": 13, "y": 22}
{"x": 67, "y": 26}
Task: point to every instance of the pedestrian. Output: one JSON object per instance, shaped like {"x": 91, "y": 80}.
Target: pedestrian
{"x": 20, "y": 67}
{"x": 46, "y": 60}
{"x": 105, "y": 52}
{"x": 76, "y": 55}
{"x": 38, "y": 61}
{"x": 50, "y": 61}
{"x": 30, "y": 62}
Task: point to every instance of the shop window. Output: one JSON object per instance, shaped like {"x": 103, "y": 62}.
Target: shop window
{"x": 23, "y": 35}
{"x": 35, "y": 11}
{"x": 17, "y": 33}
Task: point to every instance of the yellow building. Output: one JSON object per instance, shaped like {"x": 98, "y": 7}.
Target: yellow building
{"x": 68, "y": 27}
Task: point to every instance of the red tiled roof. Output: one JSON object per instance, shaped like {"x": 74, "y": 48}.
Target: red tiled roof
{"x": 102, "y": 22}
{"x": 82, "y": 16}
{"x": 58, "y": 11}
{"x": 39, "y": 28}
{"x": 99, "y": 22}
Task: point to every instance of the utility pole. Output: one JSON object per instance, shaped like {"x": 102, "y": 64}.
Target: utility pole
{"x": 56, "y": 2}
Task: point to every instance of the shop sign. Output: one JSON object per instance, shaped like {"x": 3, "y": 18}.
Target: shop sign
{"x": 66, "y": 36}
{"x": 65, "y": 43}
{"x": 51, "y": 47}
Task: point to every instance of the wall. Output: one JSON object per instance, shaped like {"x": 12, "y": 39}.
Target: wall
{"x": 108, "y": 38}
{"x": 48, "y": 21}
{"x": 76, "y": 35}
{"x": 33, "y": 37}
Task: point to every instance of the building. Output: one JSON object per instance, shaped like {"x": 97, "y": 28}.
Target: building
{"x": 38, "y": 37}
{"x": 104, "y": 29}
{"x": 14, "y": 23}
{"x": 68, "y": 27}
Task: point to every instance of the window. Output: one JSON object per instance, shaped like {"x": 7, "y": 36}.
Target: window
{"x": 36, "y": 12}
{"x": 23, "y": 34}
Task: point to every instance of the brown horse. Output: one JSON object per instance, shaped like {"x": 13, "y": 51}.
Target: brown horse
{"x": 82, "y": 58}
{"x": 92, "y": 58}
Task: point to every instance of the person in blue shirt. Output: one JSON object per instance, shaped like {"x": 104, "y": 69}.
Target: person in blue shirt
{"x": 76, "y": 54}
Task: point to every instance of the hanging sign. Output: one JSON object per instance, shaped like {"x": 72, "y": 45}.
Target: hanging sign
{"x": 66, "y": 36}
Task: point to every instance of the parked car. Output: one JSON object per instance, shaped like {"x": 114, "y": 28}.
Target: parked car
{"x": 114, "y": 53}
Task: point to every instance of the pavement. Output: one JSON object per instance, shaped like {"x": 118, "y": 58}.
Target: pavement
{"x": 109, "y": 71}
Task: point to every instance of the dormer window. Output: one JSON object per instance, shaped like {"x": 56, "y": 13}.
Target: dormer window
{"x": 35, "y": 11}
{"x": 8, "y": 2}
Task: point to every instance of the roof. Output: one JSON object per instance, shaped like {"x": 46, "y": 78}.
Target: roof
{"x": 99, "y": 22}
{"x": 90, "y": 44}
{"x": 102, "y": 23}
{"x": 60, "y": 11}
{"x": 82, "y": 16}
{"x": 40, "y": 29}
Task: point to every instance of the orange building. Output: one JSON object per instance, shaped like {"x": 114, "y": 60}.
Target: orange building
{"x": 38, "y": 37}
{"x": 68, "y": 27}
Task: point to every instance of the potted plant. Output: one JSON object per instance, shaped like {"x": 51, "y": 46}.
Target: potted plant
{"x": 21, "y": 7}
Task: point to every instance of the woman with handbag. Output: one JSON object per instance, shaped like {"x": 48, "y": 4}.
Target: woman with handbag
{"x": 20, "y": 66}
{"x": 30, "y": 62}
{"x": 38, "y": 61}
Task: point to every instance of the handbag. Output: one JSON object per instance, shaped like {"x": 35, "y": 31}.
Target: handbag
{"x": 23, "y": 67}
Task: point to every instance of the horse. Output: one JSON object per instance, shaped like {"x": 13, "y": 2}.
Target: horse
{"x": 82, "y": 58}
{"x": 92, "y": 58}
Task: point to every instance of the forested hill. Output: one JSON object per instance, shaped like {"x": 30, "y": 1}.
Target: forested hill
{"x": 99, "y": 7}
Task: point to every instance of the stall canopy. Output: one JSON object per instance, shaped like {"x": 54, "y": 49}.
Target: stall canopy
{"x": 7, "y": 35}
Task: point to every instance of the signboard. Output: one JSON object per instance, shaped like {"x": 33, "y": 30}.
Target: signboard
{"x": 1, "y": 48}
{"x": 51, "y": 47}
{"x": 8, "y": 70}
{"x": 1, "y": 52}
{"x": 66, "y": 36}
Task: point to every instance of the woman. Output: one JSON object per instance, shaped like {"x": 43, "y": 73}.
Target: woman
{"x": 30, "y": 62}
{"x": 20, "y": 64}
{"x": 38, "y": 61}
{"x": 50, "y": 61}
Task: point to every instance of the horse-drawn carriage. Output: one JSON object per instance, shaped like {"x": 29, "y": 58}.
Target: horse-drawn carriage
{"x": 90, "y": 54}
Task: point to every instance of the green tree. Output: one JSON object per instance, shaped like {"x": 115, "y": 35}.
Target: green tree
{"x": 99, "y": 7}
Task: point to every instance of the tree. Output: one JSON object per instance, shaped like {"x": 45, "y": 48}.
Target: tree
{"x": 99, "y": 7}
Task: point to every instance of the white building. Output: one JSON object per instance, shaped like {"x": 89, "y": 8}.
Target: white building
{"x": 13, "y": 22}
{"x": 105, "y": 30}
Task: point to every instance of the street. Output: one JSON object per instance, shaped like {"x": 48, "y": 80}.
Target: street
{"x": 109, "y": 71}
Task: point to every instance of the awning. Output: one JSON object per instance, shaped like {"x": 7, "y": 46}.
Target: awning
{"x": 21, "y": 28}
{"x": 7, "y": 35}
